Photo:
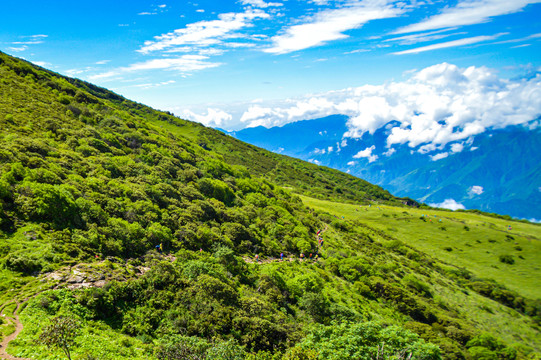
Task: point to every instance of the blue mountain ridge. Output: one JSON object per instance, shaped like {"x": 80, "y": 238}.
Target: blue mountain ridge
{"x": 497, "y": 171}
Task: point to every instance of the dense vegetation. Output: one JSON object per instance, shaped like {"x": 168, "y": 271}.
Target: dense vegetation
{"x": 90, "y": 178}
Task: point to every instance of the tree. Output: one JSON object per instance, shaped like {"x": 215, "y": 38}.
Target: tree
{"x": 60, "y": 333}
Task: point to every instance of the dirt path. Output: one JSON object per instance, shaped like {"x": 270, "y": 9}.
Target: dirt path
{"x": 290, "y": 258}
{"x": 13, "y": 319}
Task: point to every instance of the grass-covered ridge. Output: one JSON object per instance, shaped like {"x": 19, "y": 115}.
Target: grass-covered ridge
{"x": 91, "y": 182}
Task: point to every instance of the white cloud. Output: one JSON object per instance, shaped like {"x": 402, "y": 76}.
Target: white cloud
{"x": 449, "y": 204}
{"x": 330, "y": 149}
{"x": 529, "y": 37}
{"x": 422, "y": 37}
{"x": 214, "y": 117}
{"x": 31, "y": 40}
{"x": 448, "y": 44}
{"x": 351, "y": 163}
{"x": 344, "y": 143}
{"x": 439, "y": 156}
{"x": 476, "y": 189}
{"x": 367, "y": 153}
{"x": 260, "y": 3}
{"x": 520, "y": 46}
{"x": 154, "y": 85}
{"x": 18, "y": 48}
{"x": 28, "y": 42}
{"x": 467, "y": 12}
{"x": 356, "y": 51}
{"x": 389, "y": 152}
{"x": 457, "y": 147}
{"x": 184, "y": 64}
{"x": 427, "y": 148}
{"x": 102, "y": 62}
{"x": 204, "y": 33}
{"x": 74, "y": 72}
{"x": 41, "y": 63}
{"x": 435, "y": 106}
{"x": 331, "y": 24}
{"x": 146, "y": 13}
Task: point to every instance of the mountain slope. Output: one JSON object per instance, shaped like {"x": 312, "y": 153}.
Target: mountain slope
{"x": 497, "y": 171}
{"x": 92, "y": 184}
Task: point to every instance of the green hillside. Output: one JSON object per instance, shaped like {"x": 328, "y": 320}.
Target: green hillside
{"x": 92, "y": 183}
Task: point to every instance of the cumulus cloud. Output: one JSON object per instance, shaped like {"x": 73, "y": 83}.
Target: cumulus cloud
{"x": 41, "y": 63}
{"x": 439, "y": 156}
{"x": 467, "y": 12}
{"x": 367, "y": 153}
{"x": 437, "y": 105}
{"x": 351, "y": 163}
{"x": 449, "y": 204}
{"x": 457, "y": 147}
{"x": 331, "y": 24}
{"x": 476, "y": 190}
{"x": 213, "y": 117}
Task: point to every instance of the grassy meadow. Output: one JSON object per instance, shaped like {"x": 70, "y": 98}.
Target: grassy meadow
{"x": 463, "y": 239}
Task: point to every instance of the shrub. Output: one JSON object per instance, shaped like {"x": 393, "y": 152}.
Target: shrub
{"x": 413, "y": 282}
{"x": 217, "y": 189}
{"x": 23, "y": 264}
{"x": 507, "y": 259}
{"x": 74, "y": 110}
{"x": 60, "y": 333}
{"x": 64, "y": 99}
{"x": 367, "y": 340}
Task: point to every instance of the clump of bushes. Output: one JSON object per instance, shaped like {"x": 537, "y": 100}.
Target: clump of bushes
{"x": 507, "y": 259}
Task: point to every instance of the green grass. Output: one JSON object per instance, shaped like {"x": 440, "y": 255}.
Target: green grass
{"x": 96, "y": 339}
{"x": 180, "y": 128}
{"x": 477, "y": 249}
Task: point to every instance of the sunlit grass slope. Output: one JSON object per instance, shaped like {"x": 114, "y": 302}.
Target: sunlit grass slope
{"x": 475, "y": 242}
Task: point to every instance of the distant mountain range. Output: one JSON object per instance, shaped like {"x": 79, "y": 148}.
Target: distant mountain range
{"x": 497, "y": 171}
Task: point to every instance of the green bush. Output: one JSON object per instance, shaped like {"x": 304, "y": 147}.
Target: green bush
{"x": 507, "y": 259}
{"x": 367, "y": 340}
{"x": 64, "y": 99}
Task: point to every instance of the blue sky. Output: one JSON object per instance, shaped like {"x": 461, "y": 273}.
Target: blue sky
{"x": 234, "y": 64}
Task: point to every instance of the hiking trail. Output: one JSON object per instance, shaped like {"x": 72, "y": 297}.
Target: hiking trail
{"x": 13, "y": 319}
{"x": 291, "y": 258}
